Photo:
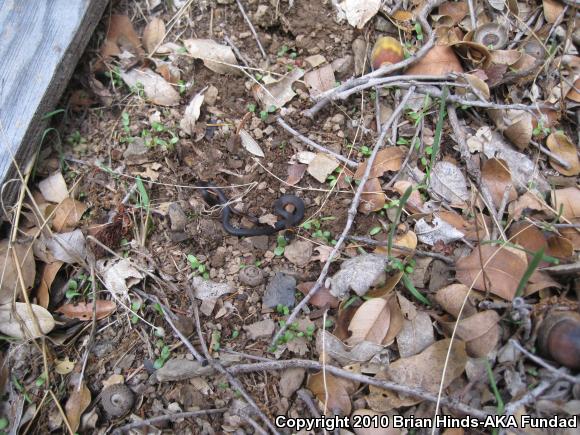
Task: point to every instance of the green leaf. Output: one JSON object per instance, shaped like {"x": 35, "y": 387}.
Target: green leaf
{"x": 375, "y": 230}
{"x": 532, "y": 266}
{"x": 438, "y": 130}
{"x": 279, "y": 250}
{"x": 416, "y": 293}
{"x": 402, "y": 201}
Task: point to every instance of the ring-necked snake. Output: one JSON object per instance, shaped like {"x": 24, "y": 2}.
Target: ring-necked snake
{"x": 213, "y": 195}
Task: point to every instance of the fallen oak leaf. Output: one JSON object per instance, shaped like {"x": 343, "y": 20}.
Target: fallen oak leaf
{"x": 372, "y": 198}
{"x": 563, "y": 147}
{"x": 387, "y": 159}
{"x": 84, "y": 311}
{"x": 496, "y": 176}
{"x": 153, "y": 34}
{"x": 76, "y": 404}
{"x": 156, "y": 89}
{"x": 68, "y": 214}
{"x": 337, "y": 390}
{"x": 322, "y": 298}
{"x": 370, "y": 322}
{"x": 49, "y": 272}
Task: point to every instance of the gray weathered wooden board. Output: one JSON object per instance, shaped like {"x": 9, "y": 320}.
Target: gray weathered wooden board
{"x": 40, "y": 44}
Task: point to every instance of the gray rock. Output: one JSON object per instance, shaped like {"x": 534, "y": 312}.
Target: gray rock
{"x": 280, "y": 291}
{"x": 260, "y": 243}
{"x": 181, "y": 369}
{"x": 290, "y": 381}
{"x": 343, "y": 66}
{"x": 136, "y": 152}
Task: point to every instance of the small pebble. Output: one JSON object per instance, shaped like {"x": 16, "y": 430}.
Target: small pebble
{"x": 251, "y": 276}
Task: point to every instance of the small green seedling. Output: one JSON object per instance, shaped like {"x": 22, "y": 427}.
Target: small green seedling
{"x": 282, "y": 309}
{"x": 197, "y": 266}
{"x": 375, "y": 230}
{"x": 281, "y": 244}
{"x": 72, "y": 289}
{"x": 135, "y": 307}
{"x": 163, "y": 357}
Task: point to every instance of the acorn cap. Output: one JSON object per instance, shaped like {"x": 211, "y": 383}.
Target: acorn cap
{"x": 559, "y": 338}
{"x": 117, "y": 400}
{"x": 491, "y": 35}
{"x": 387, "y": 50}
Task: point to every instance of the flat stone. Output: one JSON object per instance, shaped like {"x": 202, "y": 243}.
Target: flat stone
{"x": 261, "y": 329}
{"x": 260, "y": 243}
{"x": 177, "y": 217}
{"x": 136, "y": 152}
{"x": 280, "y": 291}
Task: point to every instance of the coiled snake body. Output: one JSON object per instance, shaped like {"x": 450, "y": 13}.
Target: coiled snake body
{"x": 212, "y": 194}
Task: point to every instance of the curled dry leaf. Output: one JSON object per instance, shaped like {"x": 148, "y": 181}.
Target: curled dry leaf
{"x": 321, "y": 166}
{"x": 552, "y": 10}
{"x": 153, "y": 34}
{"x": 415, "y": 335}
{"x": 415, "y": 203}
{"x": 20, "y": 324}
{"x": 10, "y": 281}
{"x": 438, "y": 231}
{"x": 192, "y": 112}
{"x": 563, "y": 147}
{"x": 372, "y": 198}
{"x": 66, "y": 247}
{"x": 337, "y": 390}
{"x": 54, "y": 188}
{"x": 322, "y": 298}
{"x": 528, "y": 203}
{"x": 480, "y": 332}
{"x": 250, "y": 144}
{"x": 76, "y": 404}
{"x": 467, "y": 227}
{"x": 278, "y": 93}
{"x": 520, "y": 131}
{"x": 456, "y": 10}
{"x": 496, "y": 177}
{"x": 533, "y": 239}
{"x": 448, "y": 181}
{"x": 68, "y": 214}
{"x": 451, "y": 299}
{"x": 387, "y": 159}
{"x": 84, "y": 311}
{"x": 119, "y": 276}
{"x": 440, "y": 60}
{"x": 49, "y": 272}
{"x": 218, "y": 58}
{"x": 370, "y": 322}
{"x": 345, "y": 355}
{"x": 423, "y": 371}
{"x": 568, "y": 200}
{"x": 121, "y": 36}
{"x": 156, "y": 89}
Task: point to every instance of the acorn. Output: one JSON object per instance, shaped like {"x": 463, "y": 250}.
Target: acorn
{"x": 386, "y": 51}
{"x": 559, "y": 338}
{"x": 117, "y": 400}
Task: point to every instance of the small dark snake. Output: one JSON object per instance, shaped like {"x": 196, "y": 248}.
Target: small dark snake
{"x": 213, "y": 195}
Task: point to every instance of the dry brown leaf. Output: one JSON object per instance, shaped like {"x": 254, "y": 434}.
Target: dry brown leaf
{"x": 422, "y": 371}
{"x": 467, "y": 227}
{"x": 505, "y": 57}
{"x": 451, "y": 299}
{"x": 415, "y": 203}
{"x": 391, "y": 282}
{"x": 526, "y": 204}
{"x": 121, "y": 36}
{"x": 372, "y": 198}
{"x": 320, "y": 80}
{"x": 344, "y": 317}
{"x": 156, "y": 89}
{"x": 278, "y": 93}
{"x": 440, "y": 60}
{"x": 448, "y": 181}
{"x": 153, "y": 34}
{"x": 387, "y": 159}
{"x": 322, "y": 298}
{"x": 573, "y": 94}
{"x": 407, "y": 240}
{"x": 456, "y": 10}
{"x": 337, "y": 390}
{"x": 563, "y": 147}
{"x": 481, "y": 346}
{"x": 76, "y": 404}
{"x": 10, "y": 282}
{"x": 397, "y": 319}
{"x": 503, "y": 270}
{"x": 218, "y": 58}
{"x": 520, "y": 131}
{"x": 533, "y": 239}
{"x": 192, "y": 112}
{"x": 473, "y": 326}
{"x": 322, "y": 166}
{"x": 67, "y": 215}
{"x": 84, "y": 311}
{"x": 49, "y": 272}
{"x": 569, "y": 200}
{"x": 478, "y": 86}
{"x": 53, "y": 188}
{"x": 295, "y": 173}
{"x": 496, "y": 176}
{"x": 358, "y": 12}
{"x": 370, "y": 322}
{"x": 415, "y": 335}
{"x": 552, "y": 10}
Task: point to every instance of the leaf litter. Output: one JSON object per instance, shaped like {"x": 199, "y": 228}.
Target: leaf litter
{"x": 182, "y": 106}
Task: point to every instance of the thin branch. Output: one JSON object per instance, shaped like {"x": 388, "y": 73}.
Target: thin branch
{"x": 512, "y": 407}
{"x": 422, "y": 16}
{"x": 226, "y": 372}
{"x": 555, "y": 157}
{"x": 372, "y": 242}
{"x": 306, "y": 397}
{"x": 352, "y": 211}
{"x": 167, "y": 417}
{"x": 251, "y": 26}
{"x": 314, "y": 145}
{"x": 345, "y": 374}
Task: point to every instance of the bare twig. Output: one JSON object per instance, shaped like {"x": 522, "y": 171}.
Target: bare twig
{"x": 226, "y": 372}
{"x": 512, "y": 407}
{"x": 472, "y": 168}
{"x": 336, "y": 371}
{"x": 372, "y": 242}
{"x": 472, "y": 15}
{"x": 502, "y": 206}
{"x": 558, "y": 373}
{"x": 306, "y": 397}
{"x": 350, "y": 219}
{"x": 251, "y": 26}
{"x": 314, "y": 145}
{"x": 551, "y": 155}
{"x": 167, "y": 417}
{"x": 247, "y": 62}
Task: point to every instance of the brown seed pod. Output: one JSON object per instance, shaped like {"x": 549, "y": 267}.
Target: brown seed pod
{"x": 491, "y": 35}
{"x": 117, "y": 400}
{"x": 559, "y": 338}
